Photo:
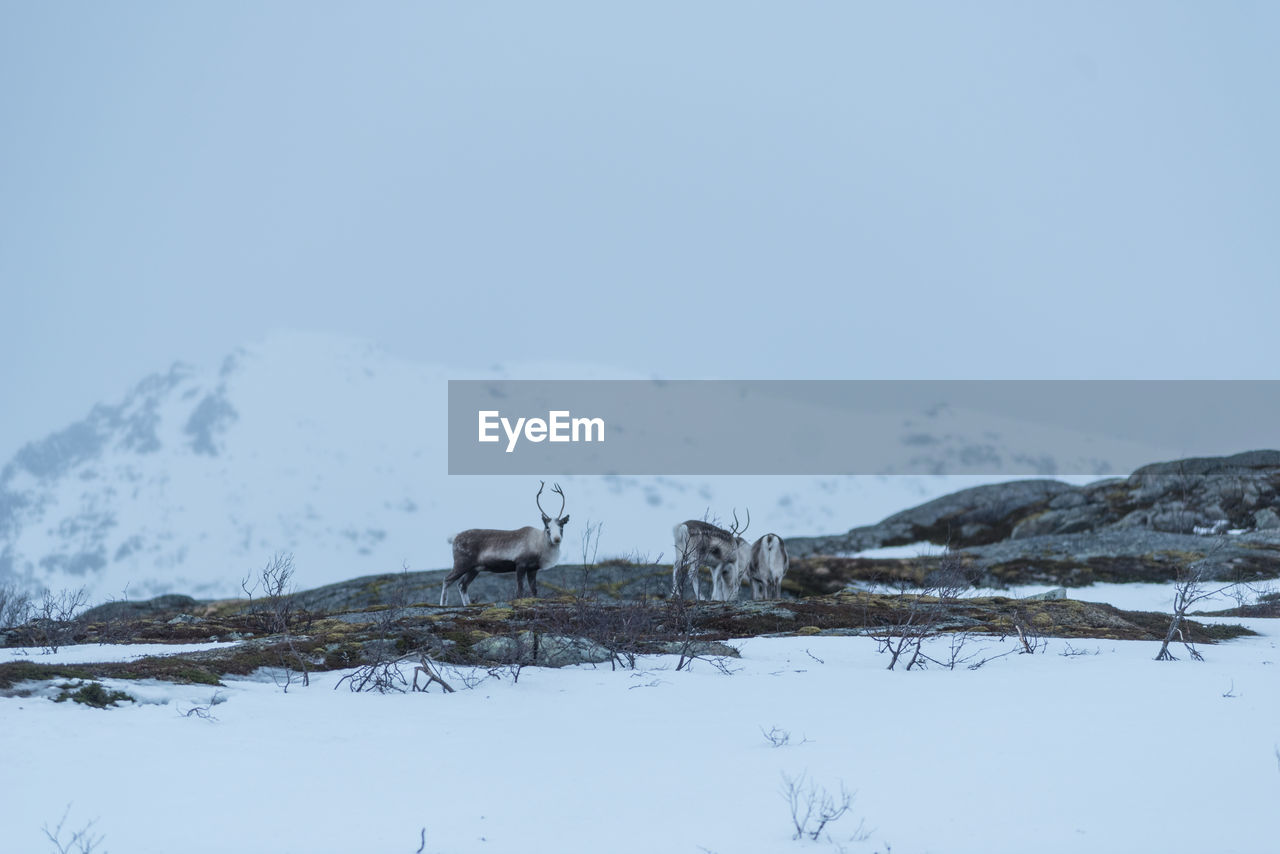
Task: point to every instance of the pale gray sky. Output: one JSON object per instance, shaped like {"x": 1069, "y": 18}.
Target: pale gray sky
{"x": 877, "y": 190}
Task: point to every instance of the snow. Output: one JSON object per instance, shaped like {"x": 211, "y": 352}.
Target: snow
{"x": 90, "y": 652}
{"x": 1129, "y": 597}
{"x": 1102, "y": 751}
{"x": 911, "y": 550}
{"x": 1134, "y": 597}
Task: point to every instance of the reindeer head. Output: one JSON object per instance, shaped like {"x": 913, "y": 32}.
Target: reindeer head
{"x": 554, "y": 528}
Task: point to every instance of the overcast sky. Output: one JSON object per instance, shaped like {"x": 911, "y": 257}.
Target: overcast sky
{"x": 689, "y": 189}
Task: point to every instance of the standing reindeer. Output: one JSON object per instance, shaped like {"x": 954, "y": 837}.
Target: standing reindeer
{"x": 523, "y": 551}
{"x": 701, "y": 543}
{"x": 767, "y": 566}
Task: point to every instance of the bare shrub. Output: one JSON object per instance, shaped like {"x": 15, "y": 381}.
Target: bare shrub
{"x": 1070, "y": 651}
{"x": 1030, "y": 638}
{"x": 53, "y": 618}
{"x": 469, "y": 677}
{"x": 590, "y": 542}
{"x": 82, "y": 841}
{"x": 111, "y": 625}
{"x": 431, "y": 673}
{"x": 397, "y": 596}
{"x": 1191, "y": 586}
{"x": 902, "y": 636}
{"x": 386, "y": 655}
{"x": 15, "y": 606}
{"x": 680, "y": 620}
{"x": 625, "y": 627}
{"x": 778, "y": 737}
{"x": 272, "y": 609}
{"x": 953, "y": 578}
{"x": 813, "y": 809}
{"x": 382, "y": 677}
{"x": 958, "y": 650}
{"x": 204, "y": 712}
{"x": 922, "y": 616}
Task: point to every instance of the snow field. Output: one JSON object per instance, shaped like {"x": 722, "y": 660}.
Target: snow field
{"x": 1093, "y": 752}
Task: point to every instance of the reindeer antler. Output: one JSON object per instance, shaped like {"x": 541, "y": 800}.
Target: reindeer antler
{"x": 554, "y": 488}
{"x": 736, "y": 531}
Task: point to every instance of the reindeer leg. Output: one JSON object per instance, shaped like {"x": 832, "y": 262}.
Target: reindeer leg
{"x": 734, "y": 585}
{"x": 520, "y": 573}
{"x": 453, "y": 576}
{"x": 533, "y": 582}
{"x": 465, "y": 583}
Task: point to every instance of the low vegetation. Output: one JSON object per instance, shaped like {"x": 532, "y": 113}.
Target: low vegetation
{"x": 295, "y": 640}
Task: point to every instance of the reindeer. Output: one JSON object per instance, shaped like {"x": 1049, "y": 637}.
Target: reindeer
{"x": 523, "y": 551}
{"x": 700, "y": 543}
{"x": 766, "y": 567}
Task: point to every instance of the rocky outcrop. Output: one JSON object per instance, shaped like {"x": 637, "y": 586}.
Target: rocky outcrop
{"x": 1222, "y": 512}
{"x": 982, "y": 514}
{"x": 1193, "y": 496}
{"x": 139, "y": 609}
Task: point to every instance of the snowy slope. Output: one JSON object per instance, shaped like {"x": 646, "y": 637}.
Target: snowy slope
{"x": 335, "y": 450}
{"x": 1104, "y": 750}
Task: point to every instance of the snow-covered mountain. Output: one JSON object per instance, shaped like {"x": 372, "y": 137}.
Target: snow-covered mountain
{"x": 335, "y": 451}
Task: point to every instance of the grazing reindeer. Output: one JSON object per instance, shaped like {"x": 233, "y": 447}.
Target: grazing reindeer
{"x": 701, "y": 543}
{"x": 523, "y": 551}
{"x": 767, "y": 566}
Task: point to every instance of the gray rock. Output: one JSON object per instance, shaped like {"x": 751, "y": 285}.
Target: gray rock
{"x": 543, "y": 650}
{"x": 1137, "y": 554}
{"x": 1247, "y": 462}
{"x": 497, "y": 649}
{"x": 1068, "y": 500}
{"x": 706, "y": 649}
{"x": 559, "y": 651}
{"x": 185, "y": 620}
{"x": 1173, "y": 498}
{"x": 1266, "y": 519}
{"x": 1066, "y": 521}
{"x": 975, "y": 516}
{"x": 1049, "y": 595}
{"x": 129, "y": 610}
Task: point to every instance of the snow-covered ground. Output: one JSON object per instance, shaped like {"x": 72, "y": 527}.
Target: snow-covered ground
{"x": 92, "y": 652}
{"x": 1102, "y": 751}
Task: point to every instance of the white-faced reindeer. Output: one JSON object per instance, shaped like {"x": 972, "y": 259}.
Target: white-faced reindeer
{"x": 523, "y": 551}
{"x": 699, "y": 544}
{"x": 767, "y": 566}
